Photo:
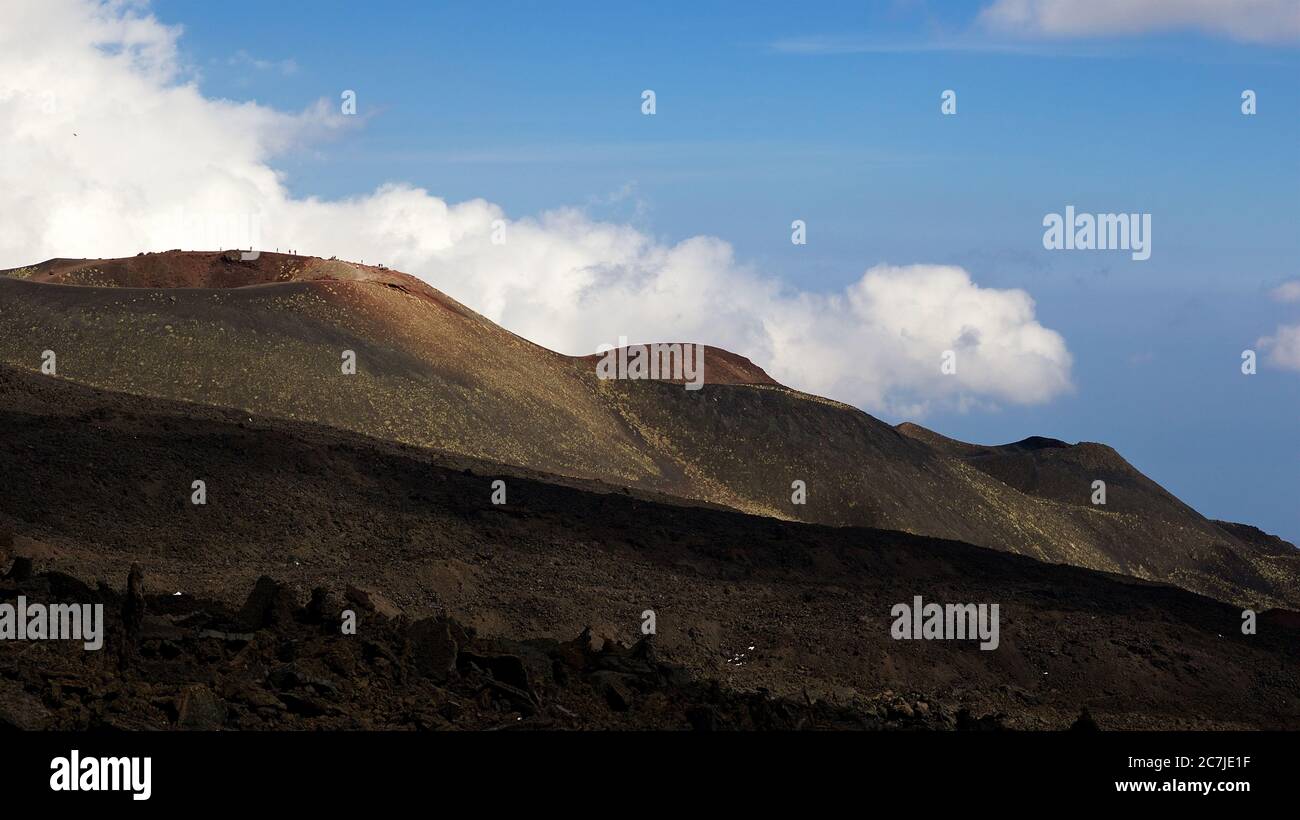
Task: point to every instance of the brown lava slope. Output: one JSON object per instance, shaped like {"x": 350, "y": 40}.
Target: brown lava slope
{"x": 266, "y": 336}
{"x": 621, "y": 498}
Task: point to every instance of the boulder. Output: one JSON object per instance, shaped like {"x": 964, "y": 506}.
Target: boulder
{"x": 198, "y": 708}
{"x": 372, "y": 601}
{"x": 433, "y": 649}
{"x": 270, "y": 604}
{"x": 133, "y": 604}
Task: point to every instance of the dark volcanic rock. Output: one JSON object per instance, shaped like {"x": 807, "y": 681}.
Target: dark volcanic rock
{"x": 271, "y": 603}
{"x": 21, "y": 569}
{"x": 325, "y": 607}
{"x": 133, "y": 604}
{"x": 433, "y": 649}
{"x": 198, "y": 708}
{"x": 429, "y": 674}
{"x": 1084, "y": 723}
{"x": 19, "y": 710}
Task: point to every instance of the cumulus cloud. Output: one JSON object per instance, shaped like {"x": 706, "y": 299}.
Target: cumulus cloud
{"x": 1287, "y": 291}
{"x": 1283, "y": 347}
{"x": 1244, "y": 20}
{"x": 109, "y": 151}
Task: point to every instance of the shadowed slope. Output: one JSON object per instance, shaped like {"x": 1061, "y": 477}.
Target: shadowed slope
{"x": 92, "y": 481}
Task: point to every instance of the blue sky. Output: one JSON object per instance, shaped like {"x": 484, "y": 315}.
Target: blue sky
{"x": 830, "y": 113}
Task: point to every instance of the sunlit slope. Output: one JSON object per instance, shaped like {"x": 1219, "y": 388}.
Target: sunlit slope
{"x": 270, "y": 336}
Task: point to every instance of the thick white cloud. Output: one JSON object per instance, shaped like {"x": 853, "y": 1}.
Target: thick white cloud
{"x": 1245, "y": 20}
{"x": 1283, "y": 347}
{"x": 107, "y": 152}
{"x": 1287, "y": 291}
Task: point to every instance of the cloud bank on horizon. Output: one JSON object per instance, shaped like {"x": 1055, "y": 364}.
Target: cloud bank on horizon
{"x": 108, "y": 151}
{"x": 1256, "y": 21}
{"x": 1252, "y": 21}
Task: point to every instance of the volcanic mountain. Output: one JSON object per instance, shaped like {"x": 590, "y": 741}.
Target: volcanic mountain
{"x": 469, "y": 610}
{"x": 267, "y": 337}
